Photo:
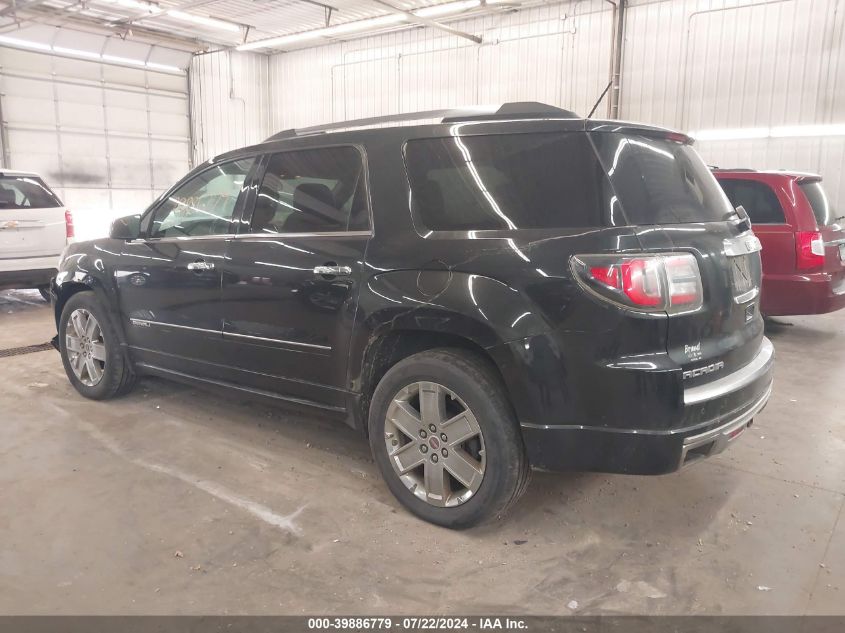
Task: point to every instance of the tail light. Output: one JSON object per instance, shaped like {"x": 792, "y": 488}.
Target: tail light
{"x": 69, "y": 231}
{"x": 809, "y": 250}
{"x": 648, "y": 283}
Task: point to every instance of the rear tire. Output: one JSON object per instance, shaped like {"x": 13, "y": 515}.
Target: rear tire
{"x": 483, "y": 476}
{"x": 91, "y": 354}
{"x": 45, "y": 293}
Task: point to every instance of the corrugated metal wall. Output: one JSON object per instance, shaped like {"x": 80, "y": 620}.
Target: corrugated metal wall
{"x": 557, "y": 53}
{"x": 699, "y": 65}
{"x": 230, "y": 102}
{"x": 687, "y": 64}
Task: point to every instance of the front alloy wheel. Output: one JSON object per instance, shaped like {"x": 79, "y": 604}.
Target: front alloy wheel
{"x": 86, "y": 348}
{"x": 435, "y": 444}
{"x": 96, "y": 365}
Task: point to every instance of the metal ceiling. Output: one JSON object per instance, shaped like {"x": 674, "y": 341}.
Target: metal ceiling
{"x": 243, "y": 20}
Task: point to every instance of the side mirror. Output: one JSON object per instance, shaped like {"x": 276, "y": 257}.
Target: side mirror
{"x": 126, "y": 228}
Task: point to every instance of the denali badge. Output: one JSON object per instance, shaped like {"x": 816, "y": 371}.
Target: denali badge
{"x": 707, "y": 369}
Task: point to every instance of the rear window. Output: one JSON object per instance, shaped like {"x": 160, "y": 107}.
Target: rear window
{"x": 820, "y": 203}
{"x": 26, "y": 192}
{"x": 660, "y": 181}
{"x": 506, "y": 181}
{"x": 757, "y": 198}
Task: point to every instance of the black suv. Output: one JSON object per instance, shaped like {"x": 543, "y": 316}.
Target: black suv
{"x": 499, "y": 291}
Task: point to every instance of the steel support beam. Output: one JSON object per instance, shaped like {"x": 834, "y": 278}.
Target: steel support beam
{"x": 428, "y": 22}
{"x": 20, "y": 6}
{"x": 616, "y": 58}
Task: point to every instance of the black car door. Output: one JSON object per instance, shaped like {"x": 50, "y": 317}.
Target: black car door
{"x": 169, "y": 280}
{"x": 290, "y": 278}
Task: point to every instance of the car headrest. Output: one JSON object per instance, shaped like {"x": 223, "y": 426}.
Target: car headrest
{"x": 262, "y": 216}
{"x": 315, "y": 209}
{"x": 429, "y": 196}
{"x": 7, "y": 197}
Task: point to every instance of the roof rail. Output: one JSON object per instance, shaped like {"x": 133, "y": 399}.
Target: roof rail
{"x": 514, "y": 110}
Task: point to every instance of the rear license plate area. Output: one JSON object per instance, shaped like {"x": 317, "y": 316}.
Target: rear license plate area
{"x": 741, "y": 277}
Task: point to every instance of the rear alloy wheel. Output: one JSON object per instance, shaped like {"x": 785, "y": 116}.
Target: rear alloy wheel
{"x": 435, "y": 444}
{"x": 446, "y": 440}
{"x": 94, "y": 362}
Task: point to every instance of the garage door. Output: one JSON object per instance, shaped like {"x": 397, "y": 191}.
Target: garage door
{"x": 108, "y": 138}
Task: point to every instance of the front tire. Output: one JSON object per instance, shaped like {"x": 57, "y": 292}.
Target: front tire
{"x": 90, "y": 349}
{"x": 446, "y": 440}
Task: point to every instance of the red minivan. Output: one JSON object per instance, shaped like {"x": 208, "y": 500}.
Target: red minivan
{"x": 803, "y": 239}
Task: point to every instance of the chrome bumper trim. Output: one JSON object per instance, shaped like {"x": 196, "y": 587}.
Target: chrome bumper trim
{"x": 723, "y": 435}
{"x": 759, "y": 366}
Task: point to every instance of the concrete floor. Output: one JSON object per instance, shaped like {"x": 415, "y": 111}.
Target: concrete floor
{"x": 174, "y": 500}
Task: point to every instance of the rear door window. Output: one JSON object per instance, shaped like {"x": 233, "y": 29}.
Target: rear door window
{"x": 757, "y": 198}
{"x": 312, "y": 191}
{"x": 506, "y": 181}
{"x": 822, "y": 209}
{"x": 26, "y": 192}
{"x": 661, "y": 181}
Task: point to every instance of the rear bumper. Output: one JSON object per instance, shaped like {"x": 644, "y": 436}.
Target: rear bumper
{"x": 814, "y": 293}
{"x": 713, "y": 416}
{"x": 29, "y": 278}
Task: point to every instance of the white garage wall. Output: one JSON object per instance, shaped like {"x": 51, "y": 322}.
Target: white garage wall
{"x": 106, "y": 137}
{"x": 230, "y": 102}
{"x": 558, "y": 54}
{"x": 727, "y": 65}
{"x": 687, "y": 64}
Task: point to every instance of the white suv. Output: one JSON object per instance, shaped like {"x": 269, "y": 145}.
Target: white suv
{"x": 34, "y": 229}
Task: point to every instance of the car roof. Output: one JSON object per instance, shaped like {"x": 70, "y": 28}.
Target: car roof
{"x": 518, "y": 116}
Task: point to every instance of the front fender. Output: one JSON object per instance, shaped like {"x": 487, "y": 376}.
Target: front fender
{"x": 83, "y": 267}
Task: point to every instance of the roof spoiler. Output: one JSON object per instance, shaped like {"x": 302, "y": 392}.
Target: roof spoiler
{"x": 514, "y": 110}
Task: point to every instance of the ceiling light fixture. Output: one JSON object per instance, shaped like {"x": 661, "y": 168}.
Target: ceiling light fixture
{"x": 730, "y": 134}
{"x": 361, "y": 25}
{"x": 89, "y": 55}
{"x": 135, "y": 4}
{"x": 447, "y": 9}
{"x": 75, "y": 52}
{"x": 156, "y": 10}
{"x": 204, "y": 21}
{"x": 783, "y": 131}
{"x": 25, "y": 43}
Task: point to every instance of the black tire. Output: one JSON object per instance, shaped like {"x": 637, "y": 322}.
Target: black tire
{"x": 118, "y": 376}
{"x": 472, "y": 379}
{"x": 45, "y": 293}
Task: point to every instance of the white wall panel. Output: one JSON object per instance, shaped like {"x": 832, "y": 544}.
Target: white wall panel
{"x": 229, "y": 102}
{"x": 90, "y": 129}
{"x": 558, "y": 54}
{"x": 729, "y": 64}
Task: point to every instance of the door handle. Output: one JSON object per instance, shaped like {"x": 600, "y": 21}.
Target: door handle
{"x": 200, "y": 266}
{"x": 332, "y": 270}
